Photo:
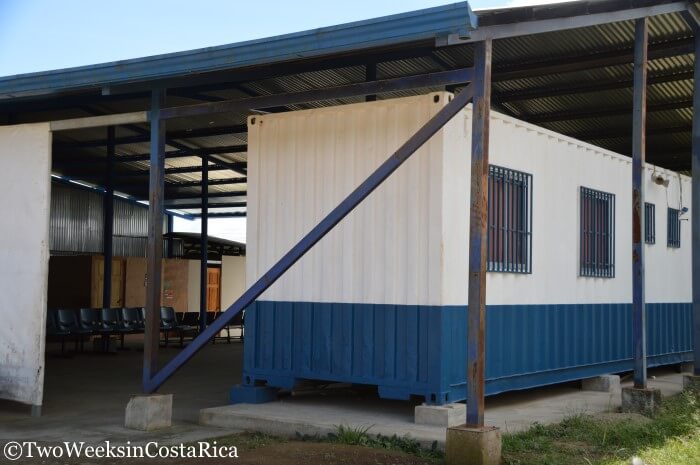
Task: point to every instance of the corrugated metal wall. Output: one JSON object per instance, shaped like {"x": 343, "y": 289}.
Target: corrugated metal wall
{"x": 76, "y": 224}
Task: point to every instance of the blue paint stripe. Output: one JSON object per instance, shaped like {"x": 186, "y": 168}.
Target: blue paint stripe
{"x": 421, "y": 350}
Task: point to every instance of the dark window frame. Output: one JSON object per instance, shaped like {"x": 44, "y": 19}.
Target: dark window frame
{"x": 509, "y": 236}
{"x": 596, "y": 233}
{"x": 649, "y": 223}
{"x": 673, "y": 228}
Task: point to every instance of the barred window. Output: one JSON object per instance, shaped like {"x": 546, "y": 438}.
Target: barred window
{"x": 674, "y": 228}
{"x": 509, "y": 246}
{"x": 649, "y": 223}
{"x": 597, "y": 233}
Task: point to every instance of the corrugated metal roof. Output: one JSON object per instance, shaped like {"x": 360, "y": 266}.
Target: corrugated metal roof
{"x": 378, "y": 32}
{"x": 577, "y": 82}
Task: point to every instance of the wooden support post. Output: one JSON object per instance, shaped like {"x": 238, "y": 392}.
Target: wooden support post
{"x": 478, "y": 233}
{"x": 108, "y": 221}
{"x": 638, "y": 155}
{"x": 204, "y": 246}
{"x": 155, "y": 238}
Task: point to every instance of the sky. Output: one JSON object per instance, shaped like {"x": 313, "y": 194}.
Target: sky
{"x": 40, "y": 35}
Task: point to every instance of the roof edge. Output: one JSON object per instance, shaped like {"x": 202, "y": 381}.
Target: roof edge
{"x": 430, "y": 23}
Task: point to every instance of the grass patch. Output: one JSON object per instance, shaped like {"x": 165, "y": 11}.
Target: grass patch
{"x": 360, "y": 436}
{"x": 672, "y": 438}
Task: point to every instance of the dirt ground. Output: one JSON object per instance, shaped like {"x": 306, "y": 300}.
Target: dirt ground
{"x": 251, "y": 452}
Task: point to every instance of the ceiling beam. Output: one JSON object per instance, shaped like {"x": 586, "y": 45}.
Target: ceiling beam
{"x": 360, "y": 89}
{"x": 223, "y": 215}
{"x": 583, "y": 61}
{"x": 172, "y": 135}
{"x": 612, "y": 133}
{"x": 189, "y": 206}
{"x": 586, "y": 14}
{"x": 589, "y": 86}
{"x": 618, "y": 110}
{"x": 71, "y": 159}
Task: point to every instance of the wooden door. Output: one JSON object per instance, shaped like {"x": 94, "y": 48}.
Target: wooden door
{"x": 213, "y": 289}
{"x": 98, "y": 269}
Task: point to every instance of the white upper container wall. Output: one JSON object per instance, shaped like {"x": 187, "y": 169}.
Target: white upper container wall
{"x": 407, "y": 243}
{"x": 302, "y": 164}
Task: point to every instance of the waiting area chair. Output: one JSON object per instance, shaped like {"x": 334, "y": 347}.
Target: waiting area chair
{"x": 169, "y": 323}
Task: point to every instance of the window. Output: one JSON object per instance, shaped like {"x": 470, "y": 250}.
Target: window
{"x": 597, "y": 233}
{"x": 509, "y": 246}
{"x": 649, "y": 223}
{"x": 674, "y": 228}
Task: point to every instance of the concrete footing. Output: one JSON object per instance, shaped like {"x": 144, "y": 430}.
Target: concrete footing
{"x": 466, "y": 445}
{"x": 605, "y": 383}
{"x": 687, "y": 367}
{"x": 643, "y": 401}
{"x": 440, "y": 415}
{"x": 149, "y": 412}
{"x": 691, "y": 383}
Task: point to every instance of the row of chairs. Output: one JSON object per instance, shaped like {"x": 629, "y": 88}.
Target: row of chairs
{"x": 86, "y": 323}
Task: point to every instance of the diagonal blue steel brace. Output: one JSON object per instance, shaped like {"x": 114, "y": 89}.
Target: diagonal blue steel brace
{"x": 316, "y": 234}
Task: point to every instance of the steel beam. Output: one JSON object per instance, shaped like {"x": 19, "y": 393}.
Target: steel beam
{"x": 108, "y": 227}
{"x": 478, "y": 233}
{"x": 589, "y": 87}
{"x": 442, "y": 117}
{"x": 370, "y": 76}
{"x": 204, "y": 247}
{"x": 641, "y": 35}
{"x": 617, "y": 110}
{"x": 223, "y": 215}
{"x": 171, "y": 229}
{"x": 695, "y": 214}
{"x": 195, "y": 197}
{"x": 171, "y": 135}
{"x": 439, "y": 79}
{"x": 210, "y": 205}
{"x": 540, "y": 21}
{"x": 209, "y": 151}
{"x": 155, "y": 239}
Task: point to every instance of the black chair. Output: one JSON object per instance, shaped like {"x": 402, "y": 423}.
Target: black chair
{"x": 190, "y": 319}
{"x": 112, "y": 322}
{"x": 68, "y": 321}
{"x": 53, "y": 331}
{"x": 132, "y": 319}
{"x": 169, "y": 322}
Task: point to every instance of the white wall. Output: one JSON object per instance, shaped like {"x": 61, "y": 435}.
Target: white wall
{"x": 408, "y": 242}
{"x": 302, "y": 164}
{"x": 25, "y": 192}
{"x": 193, "y": 272}
{"x": 232, "y": 279}
{"x": 559, "y": 166}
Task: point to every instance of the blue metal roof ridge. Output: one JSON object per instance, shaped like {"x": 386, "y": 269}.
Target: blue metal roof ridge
{"x": 429, "y": 23}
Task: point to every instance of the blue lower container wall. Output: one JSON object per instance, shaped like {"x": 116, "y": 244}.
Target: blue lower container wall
{"x": 421, "y": 350}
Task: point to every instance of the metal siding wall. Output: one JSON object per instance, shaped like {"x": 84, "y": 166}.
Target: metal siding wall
{"x": 301, "y": 164}
{"x": 76, "y": 224}
{"x": 381, "y": 299}
{"x": 420, "y": 350}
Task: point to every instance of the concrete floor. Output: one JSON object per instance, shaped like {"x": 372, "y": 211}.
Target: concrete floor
{"x": 85, "y": 395}
{"x": 512, "y": 412}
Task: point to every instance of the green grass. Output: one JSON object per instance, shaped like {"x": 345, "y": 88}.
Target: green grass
{"x": 671, "y": 438}
{"x": 361, "y": 436}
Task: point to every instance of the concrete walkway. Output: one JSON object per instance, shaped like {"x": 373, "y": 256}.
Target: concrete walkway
{"x": 512, "y": 412}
